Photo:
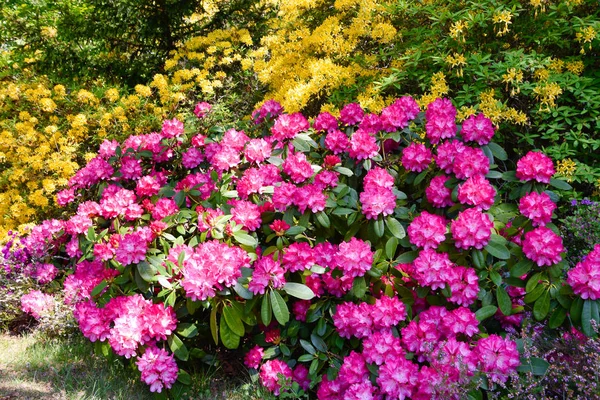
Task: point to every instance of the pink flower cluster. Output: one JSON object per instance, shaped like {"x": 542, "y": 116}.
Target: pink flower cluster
{"x": 158, "y": 368}
{"x": 377, "y": 197}
{"x": 37, "y": 303}
{"x": 427, "y": 230}
{"x": 416, "y": 157}
{"x": 535, "y": 166}
{"x": 471, "y": 229}
{"x": 478, "y": 128}
{"x": 441, "y": 120}
{"x": 435, "y": 270}
{"x": 212, "y": 267}
{"x": 361, "y": 320}
{"x": 543, "y": 246}
{"x": 127, "y": 322}
{"x": 477, "y": 191}
{"x": 538, "y": 207}
{"x": 584, "y": 278}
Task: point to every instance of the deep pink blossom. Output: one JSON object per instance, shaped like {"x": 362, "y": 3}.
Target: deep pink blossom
{"x": 287, "y": 126}
{"x": 416, "y": 157}
{"x": 538, "y": 207}
{"x": 441, "y": 120}
{"x": 337, "y": 141}
{"x": 267, "y": 272}
{"x": 478, "y": 128}
{"x": 37, "y": 303}
{"x": 158, "y": 368}
{"x": 497, "y": 357}
{"x": 470, "y": 162}
{"x": 427, "y": 230}
{"x": 543, "y": 246}
{"x": 254, "y": 357}
{"x": 471, "y": 229}
{"x": 274, "y": 374}
{"x": 477, "y": 191}
{"x": 351, "y": 114}
{"x": 584, "y": 278}
{"x": 437, "y": 193}
{"x": 535, "y": 166}
{"x": 363, "y": 145}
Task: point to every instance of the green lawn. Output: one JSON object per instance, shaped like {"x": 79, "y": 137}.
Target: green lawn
{"x": 32, "y": 367}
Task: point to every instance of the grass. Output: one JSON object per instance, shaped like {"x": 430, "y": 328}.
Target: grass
{"x": 34, "y": 367}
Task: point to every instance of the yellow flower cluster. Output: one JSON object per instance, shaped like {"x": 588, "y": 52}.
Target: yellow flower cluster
{"x": 566, "y": 167}
{"x": 586, "y": 35}
{"x": 299, "y": 61}
{"x": 547, "y": 92}
{"x": 46, "y": 134}
{"x": 503, "y": 19}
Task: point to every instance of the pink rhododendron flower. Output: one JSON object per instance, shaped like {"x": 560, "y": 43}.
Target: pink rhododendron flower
{"x": 257, "y": 150}
{"x": 363, "y": 145}
{"x": 535, "y": 166}
{"x": 441, "y": 120}
{"x": 45, "y": 273}
{"x": 460, "y": 321}
{"x": 107, "y": 148}
{"x": 254, "y": 357}
{"x": 202, "y": 109}
{"x": 382, "y": 346}
{"x": 398, "y": 114}
{"x": 354, "y": 257}
{"x": 371, "y": 123}
{"x": 287, "y": 126}
{"x": 266, "y": 272}
{"x": 337, "y": 141}
{"x": 478, "y": 128}
{"x": 225, "y": 158}
{"x": 584, "y": 278}
{"x": 172, "y": 128}
{"x": 416, "y": 157}
{"x": 130, "y": 168}
{"x": 132, "y": 249}
{"x": 427, "y": 230}
{"x": 543, "y": 246}
{"x": 298, "y": 257}
{"x": 163, "y": 208}
{"x": 191, "y": 158}
{"x": 300, "y": 376}
{"x": 377, "y": 201}
{"x": 470, "y": 162}
{"x": 96, "y": 170}
{"x": 471, "y": 228}
{"x": 398, "y": 378}
{"x": 300, "y": 308}
{"x": 353, "y": 369}
{"x": 270, "y": 108}
{"x": 37, "y": 303}
{"x": 538, "y": 207}
{"x": 353, "y": 320}
{"x": 65, "y": 197}
{"x": 325, "y": 122}
{"x": 93, "y": 321}
{"x": 387, "y": 312}
{"x": 446, "y": 152}
{"x": 497, "y": 357}
{"x": 464, "y": 285}
{"x": 246, "y": 213}
{"x": 297, "y": 167}
{"x": 88, "y": 274}
{"x": 214, "y": 266}
{"x": 147, "y": 186}
{"x": 437, "y": 193}
{"x": 432, "y": 269}
{"x": 477, "y": 191}
{"x": 274, "y": 373}
{"x": 158, "y": 368}
{"x": 351, "y": 114}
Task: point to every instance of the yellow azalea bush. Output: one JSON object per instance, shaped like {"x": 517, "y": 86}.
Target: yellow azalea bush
{"x": 48, "y": 131}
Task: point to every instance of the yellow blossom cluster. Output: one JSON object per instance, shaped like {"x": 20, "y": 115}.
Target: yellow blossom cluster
{"x": 566, "y": 167}
{"x": 300, "y": 60}
{"x": 47, "y": 132}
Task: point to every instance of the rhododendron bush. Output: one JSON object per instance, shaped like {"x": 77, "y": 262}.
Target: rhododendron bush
{"x": 361, "y": 256}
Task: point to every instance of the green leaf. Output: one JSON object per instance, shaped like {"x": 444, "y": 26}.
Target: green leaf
{"x": 485, "y": 312}
{"x": 306, "y": 358}
{"x": 496, "y": 248}
{"x": 233, "y": 320}
{"x": 298, "y": 290}
{"x": 586, "y": 318}
{"x": 560, "y": 184}
{"x": 342, "y": 211}
{"x": 359, "y": 287}
{"x": 245, "y": 239}
{"x": 390, "y": 247}
{"x": 344, "y": 171}
{"x": 295, "y": 230}
{"x": 576, "y": 309}
{"x": 99, "y": 288}
{"x": 318, "y": 342}
{"x": 497, "y": 151}
{"x": 323, "y": 219}
{"x": 308, "y": 347}
{"x": 504, "y": 301}
{"x": 228, "y": 337}
{"x": 521, "y": 268}
{"x": 395, "y": 227}
{"x": 534, "y": 294}
{"x": 214, "y": 328}
{"x": 242, "y": 291}
{"x": 542, "y": 306}
{"x": 187, "y": 330}
{"x": 184, "y": 377}
{"x": 407, "y": 257}
{"x": 147, "y": 271}
{"x": 379, "y": 227}
{"x": 280, "y": 308}
{"x": 265, "y": 311}
{"x": 420, "y": 177}
{"x": 537, "y": 366}
{"x": 557, "y": 318}
{"x": 178, "y": 348}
